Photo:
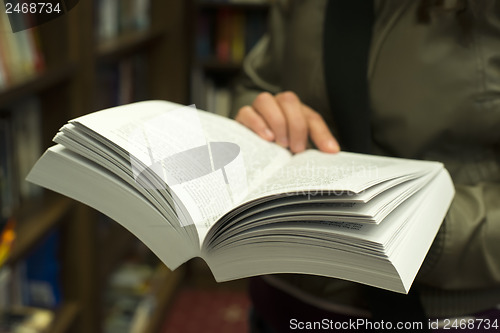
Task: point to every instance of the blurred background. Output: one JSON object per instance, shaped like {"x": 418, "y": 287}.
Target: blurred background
{"x": 63, "y": 266}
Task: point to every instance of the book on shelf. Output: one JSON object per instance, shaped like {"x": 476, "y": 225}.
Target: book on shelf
{"x": 20, "y": 147}
{"x": 8, "y": 189}
{"x": 122, "y": 82}
{"x": 15, "y": 314}
{"x": 239, "y": 2}
{"x": 237, "y": 26}
{"x": 223, "y": 35}
{"x": 26, "y": 139}
{"x": 33, "y": 282}
{"x": 190, "y": 184}
{"x": 132, "y": 293}
{"x": 32, "y": 320}
{"x": 209, "y": 95}
{"x": 3, "y": 70}
{"x": 227, "y": 34}
{"x": 204, "y": 31}
{"x": 120, "y": 17}
{"x": 20, "y": 53}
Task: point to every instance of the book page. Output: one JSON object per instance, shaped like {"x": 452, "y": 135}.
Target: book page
{"x": 386, "y": 256}
{"x": 210, "y": 163}
{"x": 314, "y": 172}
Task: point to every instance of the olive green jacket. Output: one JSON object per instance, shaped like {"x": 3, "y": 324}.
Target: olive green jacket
{"x": 435, "y": 94}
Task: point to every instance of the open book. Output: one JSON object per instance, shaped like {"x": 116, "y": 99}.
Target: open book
{"x": 192, "y": 184}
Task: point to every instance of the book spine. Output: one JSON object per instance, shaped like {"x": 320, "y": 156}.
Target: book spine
{"x": 222, "y": 101}
{"x": 20, "y": 147}
{"x": 5, "y": 276}
{"x": 223, "y": 40}
{"x": 204, "y": 36}
{"x": 121, "y": 17}
{"x": 142, "y": 15}
{"x": 107, "y": 22}
{"x": 198, "y": 88}
{"x": 27, "y": 138}
{"x": 126, "y": 82}
{"x": 9, "y": 48}
{"x": 3, "y": 71}
{"x": 35, "y": 48}
{"x": 20, "y": 53}
{"x": 122, "y": 83}
{"x": 8, "y": 192}
{"x": 126, "y": 16}
{"x": 238, "y": 37}
{"x": 209, "y": 88}
{"x": 140, "y": 69}
{"x": 34, "y": 281}
{"x": 42, "y": 286}
{"x": 25, "y": 55}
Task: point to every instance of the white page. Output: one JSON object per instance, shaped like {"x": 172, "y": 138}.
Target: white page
{"x": 374, "y": 211}
{"x": 156, "y": 131}
{"x": 380, "y": 233}
{"x": 318, "y": 172}
{"x": 302, "y": 247}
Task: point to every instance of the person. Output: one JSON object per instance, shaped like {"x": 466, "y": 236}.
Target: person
{"x": 432, "y": 78}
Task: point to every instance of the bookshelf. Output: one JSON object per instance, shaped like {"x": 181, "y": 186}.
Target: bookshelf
{"x": 139, "y": 49}
{"x": 225, "y": 31}
{"x": 35, "y": 220}
{"x": 121, "y": 46}
{"x": 40, "y": 82}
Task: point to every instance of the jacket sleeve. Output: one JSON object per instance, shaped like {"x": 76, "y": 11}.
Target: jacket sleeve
{"x": 466, "y": 252}
{"x": 262, "y": 66}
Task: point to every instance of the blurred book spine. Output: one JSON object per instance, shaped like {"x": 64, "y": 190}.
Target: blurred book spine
{"x": 227, "y": 34}
{"x": 243, "y": 2}
{"x": 132, "y": 295}
{"x": 30, "y": 290}
{"x": 209, "y": 95}
{"x": 21, "y": 56}
{"x": 120, "y": 17}
{"x": 20, "y": 146}
{"x": 123, "y": 82}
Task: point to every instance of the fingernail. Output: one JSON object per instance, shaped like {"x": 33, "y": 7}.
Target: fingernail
{"x": 299, "y": 147}
{"x": 331, "y": 145}
{"x": 283, "y": 142}
{"x": 268, "y": 135}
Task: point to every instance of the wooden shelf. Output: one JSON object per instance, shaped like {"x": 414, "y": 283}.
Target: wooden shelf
{"x": 65, "y": 317}
{"x": 116, "y": 48}
{"x": 37, "y": 83}
{"x": 214, "y": 65}
{"x": 35, "y": 220}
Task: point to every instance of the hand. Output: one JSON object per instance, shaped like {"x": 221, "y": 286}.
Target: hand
{"x": 284, "y": 119}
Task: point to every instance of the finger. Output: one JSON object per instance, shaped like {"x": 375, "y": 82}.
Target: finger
{"x": 266, "y": 106}
{"x": 248, "y": 117}
{"x": 291, "y": 106}
{"x": 319, "y": 132}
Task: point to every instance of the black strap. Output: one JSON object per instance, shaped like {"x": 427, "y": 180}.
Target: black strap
{"x": 347, "y": 35}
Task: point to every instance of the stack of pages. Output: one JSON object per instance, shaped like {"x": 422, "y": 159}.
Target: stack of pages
{"x": 192, "y": 184}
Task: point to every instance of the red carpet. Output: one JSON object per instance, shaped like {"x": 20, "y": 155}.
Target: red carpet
{"x": 208, "y": 311}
